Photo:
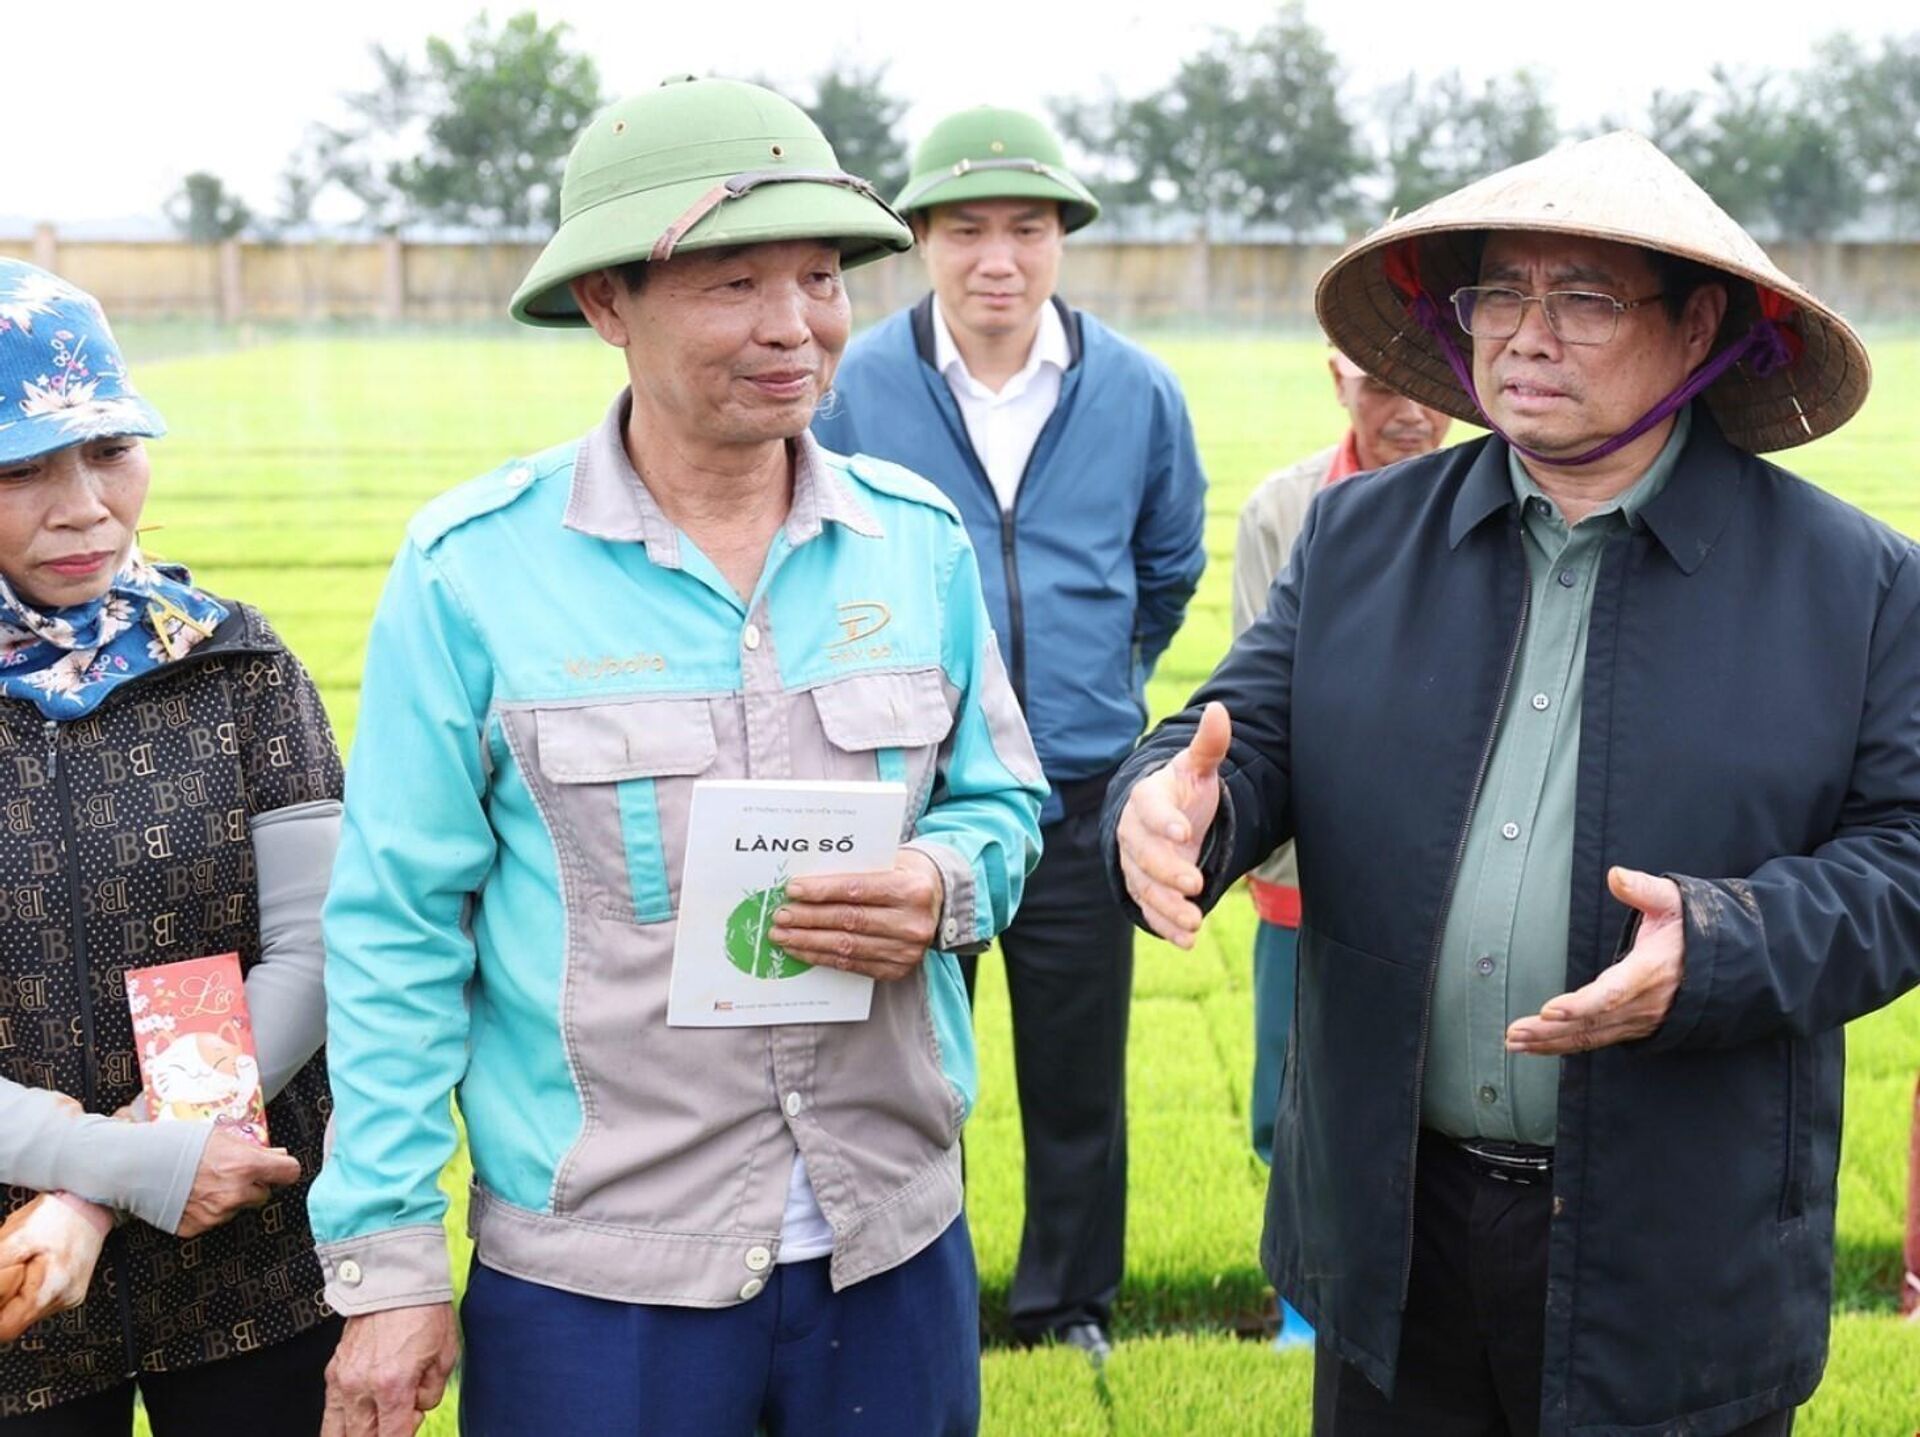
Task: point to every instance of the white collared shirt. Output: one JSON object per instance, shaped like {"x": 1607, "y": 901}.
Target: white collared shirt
{"x": 1005, "y": 426}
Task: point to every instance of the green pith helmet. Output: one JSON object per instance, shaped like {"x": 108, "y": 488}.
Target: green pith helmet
{"x": 698, "y": 164}
{"x": 992, "y": 154}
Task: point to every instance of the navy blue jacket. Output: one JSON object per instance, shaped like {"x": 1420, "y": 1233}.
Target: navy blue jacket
{"x": 1751, "y": 727}
{"x": 1103, "y": 548}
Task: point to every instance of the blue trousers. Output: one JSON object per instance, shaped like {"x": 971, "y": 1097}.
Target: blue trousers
{"x": 895, "y": 1356}
{"x": 1275, "y": 959}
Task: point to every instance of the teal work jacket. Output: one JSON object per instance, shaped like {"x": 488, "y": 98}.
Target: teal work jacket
{"x": 552, "y": 667}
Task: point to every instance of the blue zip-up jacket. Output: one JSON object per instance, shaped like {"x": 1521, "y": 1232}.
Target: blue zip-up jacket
{"x": 1088, "y": 577}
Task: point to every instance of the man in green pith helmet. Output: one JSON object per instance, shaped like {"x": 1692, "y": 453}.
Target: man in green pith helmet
{"x": 677, "y": 1229}
{"x": 1069, "y": 453}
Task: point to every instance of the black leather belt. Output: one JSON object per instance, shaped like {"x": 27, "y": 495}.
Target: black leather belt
{"x": 1523, "y": 1164}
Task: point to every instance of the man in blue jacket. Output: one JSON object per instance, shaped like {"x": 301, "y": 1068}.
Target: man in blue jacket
{"x": 1070, "y": 455}
{"x": 1600, "y": 739}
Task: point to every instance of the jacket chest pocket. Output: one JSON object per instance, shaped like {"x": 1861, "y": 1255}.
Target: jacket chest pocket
{"x": 619, "y": 780}
{"x": 887, "y": 726}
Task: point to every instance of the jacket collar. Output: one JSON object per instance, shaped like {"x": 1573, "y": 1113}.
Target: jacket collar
{"x": 609, "y": 501}
{"x": 1686, "y": 517}
{"x": 1690, "y": 514}
{"x": 1485, "y": 491}
{"x": 925, "y": 343}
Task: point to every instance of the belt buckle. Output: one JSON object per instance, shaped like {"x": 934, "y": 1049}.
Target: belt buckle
{"x": 1519, "y": 1169}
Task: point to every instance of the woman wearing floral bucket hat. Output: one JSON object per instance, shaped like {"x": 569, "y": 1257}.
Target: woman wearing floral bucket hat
{"x": 172, "y": 793}
{"x": 1600, "y": 741}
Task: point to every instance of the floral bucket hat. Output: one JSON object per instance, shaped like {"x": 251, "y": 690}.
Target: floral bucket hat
{"x": 62, "y": 380}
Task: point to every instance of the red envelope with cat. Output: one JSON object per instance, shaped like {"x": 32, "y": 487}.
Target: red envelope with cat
{"x": 197, "y": 1059}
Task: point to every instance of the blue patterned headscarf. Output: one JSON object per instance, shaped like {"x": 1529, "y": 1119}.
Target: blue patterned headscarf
{"x": 63, "y": 382}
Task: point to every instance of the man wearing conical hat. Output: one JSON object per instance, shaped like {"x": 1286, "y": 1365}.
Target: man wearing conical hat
{"x": 1069, "y": 453}
{"x": 677, "y": 1229}
{"x": 1600, "y": 738}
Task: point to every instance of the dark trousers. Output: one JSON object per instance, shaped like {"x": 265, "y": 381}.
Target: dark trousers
{"x": 1472, "y": 1343}
{"x": 892, "y": 1355}
{"x": 277, "y": 1389}
{"x": 1069, "y": 958}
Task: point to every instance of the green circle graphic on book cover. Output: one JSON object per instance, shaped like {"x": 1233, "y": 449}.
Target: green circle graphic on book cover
{"x": 749, "y": 946}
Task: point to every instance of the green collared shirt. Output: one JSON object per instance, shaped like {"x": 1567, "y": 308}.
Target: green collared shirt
{"x": 1504, "y": 951}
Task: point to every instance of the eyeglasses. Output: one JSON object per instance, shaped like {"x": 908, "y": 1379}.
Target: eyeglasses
{"x": 1576, "y": 316}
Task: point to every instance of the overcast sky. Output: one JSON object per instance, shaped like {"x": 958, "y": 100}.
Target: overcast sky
{"x": 111, "y": 103}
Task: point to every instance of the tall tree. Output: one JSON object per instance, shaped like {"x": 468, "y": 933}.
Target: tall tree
{"x": 1873, "y": 100}
{"x": 503, "y": 110}
{"x": 474, "y": 134}
{"x": 861, "y": 119}
{"x": 367, "y": 158}
{"x": 205, "y": 211}
{"x": 1768, "y": 150}
{"x": 1448, "y": 134}
{"x": 1250, "y": 128}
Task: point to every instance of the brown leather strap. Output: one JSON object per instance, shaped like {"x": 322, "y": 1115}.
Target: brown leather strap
{"x": 691, "y": 216}
{"x": 734, "y": 186}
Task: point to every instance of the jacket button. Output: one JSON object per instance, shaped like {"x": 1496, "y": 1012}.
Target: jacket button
{"x": 794, "y": 1104}
{"x": 1489, "y": 1093}
{"x": 1485, "y": 965}
{"x": 758, "y": 1259}
{"x": 348, "y": 1272}
{"x": 1566, "y": 578}
{"x": 951, "y": 932}
{"x": 1509, "y": 830}
{"x": 751, "y": 1288}
{"x": 751, "y": 638}
{"x": 1540, "y": 702}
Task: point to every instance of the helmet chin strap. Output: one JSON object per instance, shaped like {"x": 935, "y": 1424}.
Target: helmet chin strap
{"x": 1766, "y": 346}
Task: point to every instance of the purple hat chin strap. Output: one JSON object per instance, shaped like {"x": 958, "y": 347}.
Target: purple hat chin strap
{"x": 1765, "y": 345}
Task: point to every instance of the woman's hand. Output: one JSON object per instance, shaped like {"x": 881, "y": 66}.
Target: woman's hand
{"x": 47, "y": 1252}
{"x": 233, "y": 1174}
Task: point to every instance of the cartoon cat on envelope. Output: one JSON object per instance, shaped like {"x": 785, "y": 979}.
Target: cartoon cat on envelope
{"x": 205, "y": 1075}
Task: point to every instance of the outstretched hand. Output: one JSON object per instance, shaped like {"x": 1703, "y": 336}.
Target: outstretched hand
{"x": 1629, "y": 1000}
{"x": 1163, "y": 825}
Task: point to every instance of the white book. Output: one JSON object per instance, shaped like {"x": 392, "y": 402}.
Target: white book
{"x": 745, "y": 839}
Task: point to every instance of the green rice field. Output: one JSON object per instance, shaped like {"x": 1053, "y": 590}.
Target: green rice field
{"x": 294, "y": 464}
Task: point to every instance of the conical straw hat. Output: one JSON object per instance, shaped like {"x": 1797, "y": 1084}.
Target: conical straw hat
{"x": 1617, "y": 187}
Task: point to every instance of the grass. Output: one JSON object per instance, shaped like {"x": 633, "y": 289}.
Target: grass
{"x": 294, "y": 467}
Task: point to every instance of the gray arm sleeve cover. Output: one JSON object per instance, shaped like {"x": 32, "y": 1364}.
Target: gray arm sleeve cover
{"x": 147, "y": 1168}
{"x": 143, "y": 1168}
{"x": 286, "y": 995}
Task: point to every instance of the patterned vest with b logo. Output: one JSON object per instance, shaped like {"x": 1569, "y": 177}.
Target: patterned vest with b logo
{"x": 125, "y": 842}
